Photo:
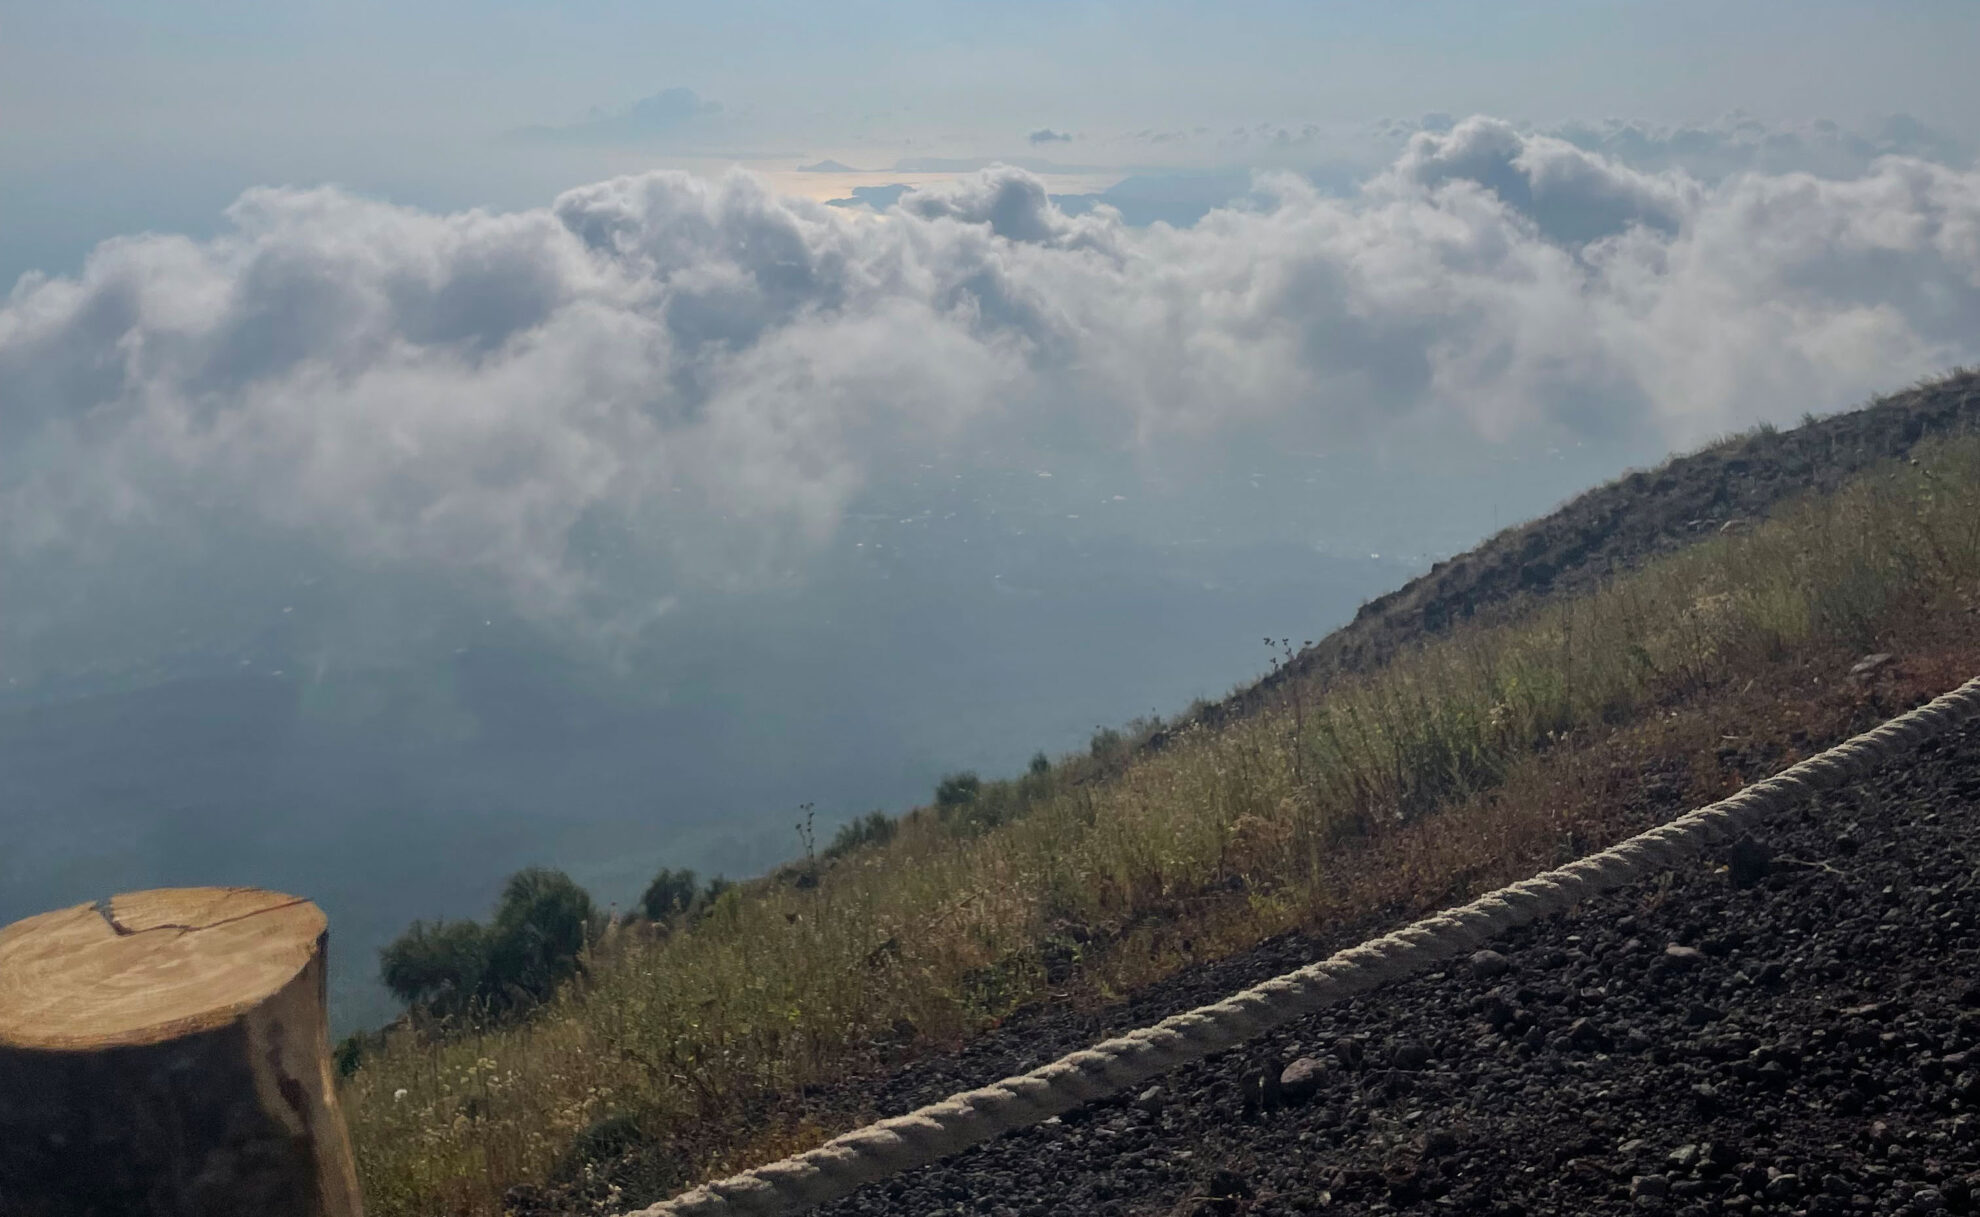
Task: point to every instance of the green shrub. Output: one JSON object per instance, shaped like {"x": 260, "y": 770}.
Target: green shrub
{"x": 348, "y": 1055}
{"x": 539, "y": 935}
{"x": 873, "y": 828}
{"x": 442, "y": 967}
{"x": 672, "y": 892}
{"x": 712, "y": 892}
{"x": 462, "y": 969}
{"x": 958, "y": 790}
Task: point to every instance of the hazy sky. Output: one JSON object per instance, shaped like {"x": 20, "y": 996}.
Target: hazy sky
{"x": 123, "y": 116}
{"x": 208, "y": 76}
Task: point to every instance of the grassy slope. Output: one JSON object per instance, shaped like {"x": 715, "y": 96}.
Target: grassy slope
{"x": 1619, "y": 526}
{"x": 1348, "y": 791}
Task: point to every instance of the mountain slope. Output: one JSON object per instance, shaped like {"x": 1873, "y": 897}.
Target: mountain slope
{"x": 1621, "y": 525}
{"x": 1537, "y": 729}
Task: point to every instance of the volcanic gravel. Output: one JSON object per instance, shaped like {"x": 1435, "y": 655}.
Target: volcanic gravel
{"x": 1792, "y": 1026}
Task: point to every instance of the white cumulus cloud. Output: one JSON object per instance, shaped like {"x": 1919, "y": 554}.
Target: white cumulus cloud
{"x": 662, "y": 382}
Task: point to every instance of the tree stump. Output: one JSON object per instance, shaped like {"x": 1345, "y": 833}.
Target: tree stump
{"x": 165, "y": 1052}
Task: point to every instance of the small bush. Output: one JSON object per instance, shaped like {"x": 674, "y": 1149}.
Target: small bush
{"x": 597, "y": 1144}
{"x": 873, "y": 828}
{"x": 441, "y": 967}
{"x": 348, "y": 1055}
{"x": 671, "y": 893}
{"x": 462, "y": 969}
{"x": 539, "y": 935}
{"x": 711, "y": 893}
{"x": 958, "y": 790}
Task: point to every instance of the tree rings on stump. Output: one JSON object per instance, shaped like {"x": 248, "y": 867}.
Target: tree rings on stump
{"x": 165, "y": 1052}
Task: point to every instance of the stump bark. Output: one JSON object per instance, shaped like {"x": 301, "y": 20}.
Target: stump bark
{"x": 165, "y": 1053}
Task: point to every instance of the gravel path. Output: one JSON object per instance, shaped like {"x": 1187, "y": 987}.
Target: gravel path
{"x": 1791, "y": 1028}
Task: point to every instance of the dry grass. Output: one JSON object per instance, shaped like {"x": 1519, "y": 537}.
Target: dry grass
{"x": 1467, "y": 762}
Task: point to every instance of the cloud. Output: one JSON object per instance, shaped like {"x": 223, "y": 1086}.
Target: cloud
{"x": 661, "y": 385}
{"x": 1572, "y": 195}
{"x": 1735, "y": 143}
{"x": 1045, "y": 135}
{"x": 1011, "y": 203}
{"x": 666, "y": 115}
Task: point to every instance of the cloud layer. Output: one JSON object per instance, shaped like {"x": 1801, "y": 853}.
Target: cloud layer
{"x": 661, "y": 383}
{"x": 1741, "y": 143}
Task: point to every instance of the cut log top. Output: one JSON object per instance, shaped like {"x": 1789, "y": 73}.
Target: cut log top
{"x": 150, "y": 966}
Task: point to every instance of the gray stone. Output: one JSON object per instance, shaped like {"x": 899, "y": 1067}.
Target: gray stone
{"x": 1869, "y": 665}
{"x": 1583, "y": 1033}
{"x": 1300, "y": 1080}
{"x": 1488, "y": 964}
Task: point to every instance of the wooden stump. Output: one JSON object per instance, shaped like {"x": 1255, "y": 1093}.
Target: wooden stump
{"x": 166, "y": 1052}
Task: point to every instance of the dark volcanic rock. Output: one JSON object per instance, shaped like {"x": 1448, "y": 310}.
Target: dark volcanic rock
{"x": 1849, "y": 1085}
{"x": 1747, "y": 862}
{"x": 1301, "y": 1079}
